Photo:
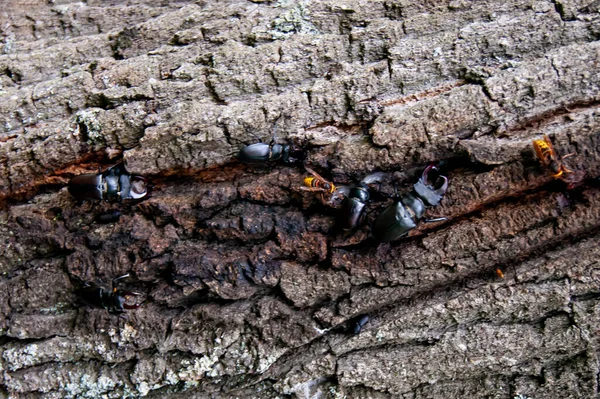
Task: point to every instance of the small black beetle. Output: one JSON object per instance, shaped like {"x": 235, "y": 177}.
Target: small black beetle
{"x": 354, "y": 204}
{"x": 113, "y": 184}
{"x": 402, "y": 216}
{"x": 112, "y": 300}
{"x": 262, "y": 153}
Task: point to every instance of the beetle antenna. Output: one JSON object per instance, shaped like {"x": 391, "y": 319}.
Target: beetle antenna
{"x": 230, "y": 138}
{"x": 255, "y": 136}
{"x": 274, "y": 139}
{"x": 274, "y": 133}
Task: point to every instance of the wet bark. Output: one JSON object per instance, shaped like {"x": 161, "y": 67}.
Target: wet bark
{"x": 249, "y": 289}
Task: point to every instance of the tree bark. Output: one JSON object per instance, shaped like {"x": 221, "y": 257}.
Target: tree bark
{"x": 249, "y": 288}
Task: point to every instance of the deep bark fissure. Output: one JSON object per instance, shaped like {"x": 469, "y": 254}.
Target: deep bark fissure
{"x": 250, "y": 288}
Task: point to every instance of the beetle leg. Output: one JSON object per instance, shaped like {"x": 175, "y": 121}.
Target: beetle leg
{"x": 256, "y": 137}
{"x": 565, "y": 169}
{"x": 313, "y": 189}
{"x": 440, "y": 219}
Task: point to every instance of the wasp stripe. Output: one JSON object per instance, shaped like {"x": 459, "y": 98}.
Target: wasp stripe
{"x": 317, "y": 183}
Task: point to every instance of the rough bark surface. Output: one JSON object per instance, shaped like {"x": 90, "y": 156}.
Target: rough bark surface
{"x": 249, "y": 290}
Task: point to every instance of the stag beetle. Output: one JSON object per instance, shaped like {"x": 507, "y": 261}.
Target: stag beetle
{"x": 111, "y": 300}
{"x": 354, "y": 204}
{"x": 263, "y": 153}
{"x": 113, "y": 184}
{"x": 402, "y": 216}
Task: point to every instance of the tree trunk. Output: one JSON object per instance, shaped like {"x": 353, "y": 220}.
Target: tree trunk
{"x": 249, "y": 288}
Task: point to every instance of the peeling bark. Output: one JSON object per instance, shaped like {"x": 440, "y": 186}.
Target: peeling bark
{"x": 250, "y": 289}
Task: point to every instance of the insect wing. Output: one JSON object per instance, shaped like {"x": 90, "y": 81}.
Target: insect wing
{"x": 315, "y": 174}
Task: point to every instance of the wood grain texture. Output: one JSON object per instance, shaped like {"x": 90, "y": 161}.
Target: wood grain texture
{"x": 250, "y": 290}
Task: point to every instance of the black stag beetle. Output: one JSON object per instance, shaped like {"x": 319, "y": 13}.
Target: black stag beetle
{"x": 263, "y": 153}
{"x": 355, "y": 203}
{"x": 402, "y": 216}
{"x": 114, "y": 300}
{"x": 115, "y": 183}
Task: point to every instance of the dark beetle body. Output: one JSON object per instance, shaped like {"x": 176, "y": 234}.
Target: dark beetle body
{"x": 112, "y": 300}
{"x": 111, "y": 217}
{"x": 403, "y": 215}
{"x": 355, "y": 203}
{"x": 353, "y": 207}
{"x": 113, "y": 184}
{"x": 262, "y": 153}
{"x": 88, "y": 186}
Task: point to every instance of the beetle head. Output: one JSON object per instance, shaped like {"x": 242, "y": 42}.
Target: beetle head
{"x": 432, "y": 186}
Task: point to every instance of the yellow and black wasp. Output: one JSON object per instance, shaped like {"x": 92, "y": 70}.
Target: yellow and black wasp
{"x": 550, "y": 159}
{"x": 317, "y": 183}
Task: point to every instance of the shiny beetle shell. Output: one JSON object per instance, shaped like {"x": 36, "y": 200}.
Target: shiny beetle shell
{"x": 354, "y": 204}
{"x": 403, "y": 215}
{"x": 262, "y": 153}
{"x": 353, "y": 208}
{"x": 87, "y": 186}
{"x": 395, "y": 221}
{"x": 113, "y": 184}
